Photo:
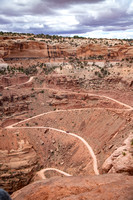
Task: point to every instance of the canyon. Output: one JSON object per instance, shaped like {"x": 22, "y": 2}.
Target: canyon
{"x": 66, "y": 110}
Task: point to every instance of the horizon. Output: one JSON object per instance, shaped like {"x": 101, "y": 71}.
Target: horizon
{"x": 107, "y": 19}
{"x": 74, "y": 36}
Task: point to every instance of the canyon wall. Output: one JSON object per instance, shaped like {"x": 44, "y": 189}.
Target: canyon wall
{"x": 40, "y": 49}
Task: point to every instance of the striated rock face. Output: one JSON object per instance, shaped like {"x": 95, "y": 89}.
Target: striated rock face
{"x": 92, "y": 50}
{"x": 121, "y": 161}
{"x": 23, "y": 48}
{"x": 106, "y": 187}
{"x": 18, "y": 162}
{"x": 13, "y": 103}
{"x": 80, "y": 100}
{"x": 115, "y": 52}
{"x": 34, "y": 49}
{"x": 120, "y": 51}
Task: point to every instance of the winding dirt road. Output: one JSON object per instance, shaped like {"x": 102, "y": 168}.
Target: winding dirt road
{"x": 30, "y": 79}
{"x": 90, "y": 94}
{"x": 46, "y": 113}
{"x": 42, "y": 176}
{"x": 95, "y": 166}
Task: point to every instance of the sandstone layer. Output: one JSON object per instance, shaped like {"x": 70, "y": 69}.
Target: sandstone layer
{"x": 121, "y": 160}
{"x": 66, "y": 109}
{"x": 106, "y": 187}
{"x": 18, "y": 161}
{"x": 22, "y": 48}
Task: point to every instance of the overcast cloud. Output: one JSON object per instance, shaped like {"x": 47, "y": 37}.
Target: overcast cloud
{"x": 89, "y": 18}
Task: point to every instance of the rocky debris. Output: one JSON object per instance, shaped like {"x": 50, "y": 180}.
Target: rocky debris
{"x": 108, "y": 83}
{"x": 103, "y": 187}
{"x": 11, "y": 103}
{"x": 17, "y": 165}
{"x": 58, "y": 102}
{"x": 13, "y": 98}
{"x": 121, "y": 160}
{"x": 80, "y": 100}
{"x": 63, "y": 81}
{"x": 57, "y": 99}
{"x": 9, "y": 110}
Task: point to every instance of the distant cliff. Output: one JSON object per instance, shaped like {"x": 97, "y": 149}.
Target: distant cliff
{"x": 23, "y": 48}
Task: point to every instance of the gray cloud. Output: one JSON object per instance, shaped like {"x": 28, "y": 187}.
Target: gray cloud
{"x": 111, "y": 19}
{"x": 46, "y": 7}
{"x": 60, "y": 3}
{"x": 66, "y": 16}
{"x": 76, "y": 30}
{"x": 41, "y": 8}
{"x": 51, "y": 6}
{"x": 4, "y": 21}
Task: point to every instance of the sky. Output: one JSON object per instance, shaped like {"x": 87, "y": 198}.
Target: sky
{"x": 87, "y": 18}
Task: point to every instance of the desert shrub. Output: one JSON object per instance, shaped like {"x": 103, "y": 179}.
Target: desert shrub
{"x": 32, "y": 95}
{"x": 31, "y": 38}
{"x": 123, "y": 153}
{"x": 42, "y": 91}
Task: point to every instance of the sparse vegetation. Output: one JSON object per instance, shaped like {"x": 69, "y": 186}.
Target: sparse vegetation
{"x": 32, "y": 95}
{"x": 102, "y": 73}
{"x": 123, "y": 153}
{"x": 86, "y": 87}
{"x": 42, "y": 91}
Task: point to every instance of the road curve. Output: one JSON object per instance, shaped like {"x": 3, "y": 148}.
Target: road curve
{"x": 91, "y": 94}
{"x": 95, "y": 165}
{"x": 46, "y": 113}
{"x": 106, "y": 97}
{"x": 30, "y": 79}
{"x": 123, "y": 104}
{"x": 41, "y": 172}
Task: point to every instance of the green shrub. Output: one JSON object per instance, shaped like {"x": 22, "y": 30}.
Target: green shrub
{"x": 123, "y": 153}
{"x": 42, "y": 91}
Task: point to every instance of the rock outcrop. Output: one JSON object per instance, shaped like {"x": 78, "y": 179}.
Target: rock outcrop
{"x": 106, "y": 187}
{"x": 22, "y": 48}
{"x": 92, "y": 50}
{"x": 105, "y": 52}
{"x": 121, "y": 160}
{"x": 34, "y": 49}
{"x": 18, "y": 162}
{"x": 13, "y": 103}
